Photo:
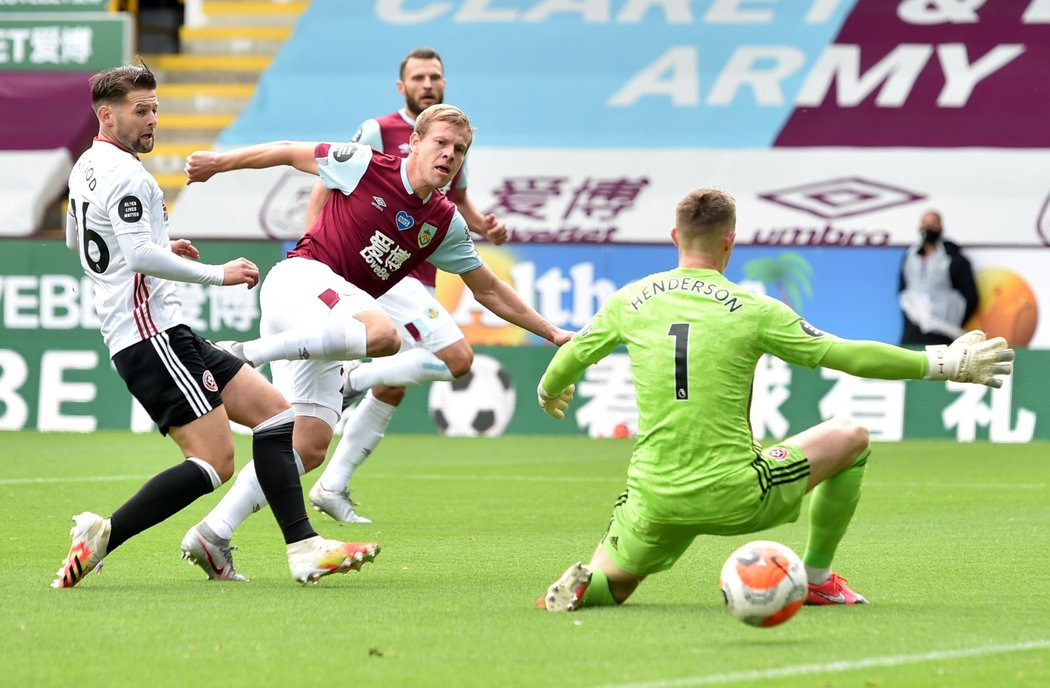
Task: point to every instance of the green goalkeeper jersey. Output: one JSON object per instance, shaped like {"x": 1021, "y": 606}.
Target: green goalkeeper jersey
{"x": 694, "y": 339}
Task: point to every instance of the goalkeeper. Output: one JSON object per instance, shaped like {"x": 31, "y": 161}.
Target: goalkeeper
{"x": 694, "y": 339}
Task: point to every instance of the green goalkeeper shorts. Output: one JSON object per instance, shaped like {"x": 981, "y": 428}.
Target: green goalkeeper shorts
{"x": 642, "y": 547}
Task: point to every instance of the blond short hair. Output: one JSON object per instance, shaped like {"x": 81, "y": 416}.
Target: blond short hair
{"x": 442, "y": 112}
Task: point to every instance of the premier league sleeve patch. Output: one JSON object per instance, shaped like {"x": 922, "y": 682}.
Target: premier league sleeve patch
{"x": 810, "y": 330}
{"x": 344, "y": 152}
{"x": 130, "y": 209}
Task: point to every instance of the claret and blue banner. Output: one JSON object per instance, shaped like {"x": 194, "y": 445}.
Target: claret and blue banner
{"x": 676, "y": 73}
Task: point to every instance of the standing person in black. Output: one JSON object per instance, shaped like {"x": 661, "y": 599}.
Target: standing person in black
{"x": 937, "y": 290}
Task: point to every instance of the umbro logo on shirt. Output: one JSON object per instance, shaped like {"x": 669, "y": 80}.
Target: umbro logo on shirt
{"x": 379, "y": 203}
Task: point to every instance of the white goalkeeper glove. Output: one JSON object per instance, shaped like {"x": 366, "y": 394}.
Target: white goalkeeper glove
{"x": 555, "y": 404}
{"x": 971, "y": 358}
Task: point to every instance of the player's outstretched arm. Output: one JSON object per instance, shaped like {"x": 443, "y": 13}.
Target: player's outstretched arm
{"x": 875, "y": 360}
{"x": 968, "y": 359}
{"x": 500, "y": 298}
{"x": 203, "y": 165}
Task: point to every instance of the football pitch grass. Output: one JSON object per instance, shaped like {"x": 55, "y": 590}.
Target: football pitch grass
{"x": 951, "y": 544}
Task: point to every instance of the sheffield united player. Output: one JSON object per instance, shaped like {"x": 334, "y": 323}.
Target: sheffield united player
{"x": 118, "y": 225}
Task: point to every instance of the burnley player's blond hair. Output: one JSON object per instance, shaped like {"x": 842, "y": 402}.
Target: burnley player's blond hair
{"x": 442, "y": 112}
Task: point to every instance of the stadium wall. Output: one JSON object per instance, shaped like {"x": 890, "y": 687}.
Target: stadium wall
{"x": 835, "y": 125}
{"x": 47, "y": 51}
{"x": 55, "y": 375}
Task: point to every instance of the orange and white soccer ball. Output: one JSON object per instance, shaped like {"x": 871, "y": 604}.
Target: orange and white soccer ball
{"x": 764, "y": 583}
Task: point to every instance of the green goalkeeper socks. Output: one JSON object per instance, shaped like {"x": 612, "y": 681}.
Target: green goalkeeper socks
{"x": 597, "y": 593}
{"x": 830, "y": 511}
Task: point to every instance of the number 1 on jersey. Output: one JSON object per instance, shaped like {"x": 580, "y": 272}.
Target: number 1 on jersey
{"x": 680, "y": 332}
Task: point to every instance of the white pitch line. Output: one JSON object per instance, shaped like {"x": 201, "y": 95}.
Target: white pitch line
{"x": 68, "y": 479}
{"x": 832, "y": 667}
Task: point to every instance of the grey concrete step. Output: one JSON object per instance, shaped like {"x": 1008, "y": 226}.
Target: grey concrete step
{"x": 252, "y": 12}
{"x": 192, "y": 127}
{"x": 215, "y": 69}
{"x": 213, "y": 98}
{"x": 169, "y": 158}
{"x": 233, "y": 40}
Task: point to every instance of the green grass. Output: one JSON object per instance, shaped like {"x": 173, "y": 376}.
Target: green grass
{"x": 951, "y": 544}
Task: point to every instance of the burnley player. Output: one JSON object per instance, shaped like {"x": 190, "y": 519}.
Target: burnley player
{"x": 384, "y": 217}
{"x": 433, "y": 346}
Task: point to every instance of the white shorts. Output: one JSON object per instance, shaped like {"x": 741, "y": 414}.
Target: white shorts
{"x": 420, "y": 318}
{"x": 299, "y": 292}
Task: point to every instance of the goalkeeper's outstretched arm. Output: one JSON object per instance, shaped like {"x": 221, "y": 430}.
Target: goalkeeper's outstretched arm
{"x": 970, "y": 358}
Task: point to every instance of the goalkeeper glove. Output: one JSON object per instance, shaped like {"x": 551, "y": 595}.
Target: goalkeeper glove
{"x": 971, "y": 358}
{"x": 555, "y": 404}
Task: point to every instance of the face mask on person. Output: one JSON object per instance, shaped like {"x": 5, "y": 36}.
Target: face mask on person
{"x": 930, "y": 236}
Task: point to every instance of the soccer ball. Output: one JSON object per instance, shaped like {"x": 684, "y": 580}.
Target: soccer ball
{"x": 764, "y": 583}
{"x": 481, "y": 403}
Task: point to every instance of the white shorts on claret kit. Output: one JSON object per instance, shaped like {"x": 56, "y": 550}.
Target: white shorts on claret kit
{"x": 290, "y": 297}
